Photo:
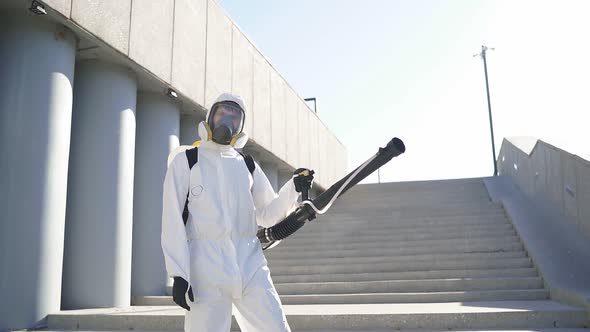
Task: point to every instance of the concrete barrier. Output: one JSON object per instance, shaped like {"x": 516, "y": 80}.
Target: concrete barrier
{"x": 548, "y": 174}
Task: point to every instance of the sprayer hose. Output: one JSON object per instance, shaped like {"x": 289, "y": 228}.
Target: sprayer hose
{"x": 282, "y": 230}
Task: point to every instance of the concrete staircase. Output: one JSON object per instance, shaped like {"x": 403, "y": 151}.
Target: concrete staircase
{"x": 407, "y": 243}
{"x": 430, "y": 255}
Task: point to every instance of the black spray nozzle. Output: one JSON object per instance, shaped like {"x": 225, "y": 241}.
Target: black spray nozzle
{"x": 394, "y": 148}
{"x": 396, "y": 144}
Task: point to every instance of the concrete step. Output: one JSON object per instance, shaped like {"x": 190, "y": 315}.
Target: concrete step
{"x": 349, "y": 212}
{"x": 364, "y": 298}
{"x": 411, "y": 275}
{"x": 410, "y": 286}
{"x": 407, "y": 188}
{"x": 426, "y": 265}
{"x": 413, "y": 196}
{"x": 319, "y": 230}
{"x": 427, "y": 196}
{"x": 388, "y": 224}
{"x": 285, "y": 248}
{"x": 292, "y": 245}
{"x": 275, "y": 254}
{"x": 468, "y": 185}
{"x": 429, "y": 297}
{"x": 449, "y": 195}
{"x": 448, "y": 192}
{"x": 391, "y": 236}
{"x": 415, "y": 275}
{"x": 387, "y": 220}
{"x": 459, "y": 315}
{"x": 411, "y": 235}
{"x": 416, "y": 197}
{"x": 421, "y": 213}
{"x": 301, "y": 241}
{"x": 451, "y": 330}
{"x": 386, "y": 203}
{"x": 387, "y": 200}
{"x": 394, "y": 260}
{"x": 335, "y": 231}
{"x": 236, "y": 329}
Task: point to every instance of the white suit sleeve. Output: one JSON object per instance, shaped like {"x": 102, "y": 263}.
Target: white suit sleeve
{"x": 270, "y": 207}
{"x": 174, "y": 239}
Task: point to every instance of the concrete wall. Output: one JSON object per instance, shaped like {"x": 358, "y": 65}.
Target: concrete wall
{"x": 198, "y": 50}
{"x": 549, "y": 174}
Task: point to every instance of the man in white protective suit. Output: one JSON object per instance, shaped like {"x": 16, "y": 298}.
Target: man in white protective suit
{"x": 216, "y": 260}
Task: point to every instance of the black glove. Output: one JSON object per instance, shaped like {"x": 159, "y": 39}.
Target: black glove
{"x": 303, "y": 179}
{"x": 178, "y": 290}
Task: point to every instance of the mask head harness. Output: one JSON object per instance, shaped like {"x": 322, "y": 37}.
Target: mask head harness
{"x": 225, "y": 122}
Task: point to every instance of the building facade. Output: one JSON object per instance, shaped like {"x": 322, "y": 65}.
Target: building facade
{"x": 94, "y": 96}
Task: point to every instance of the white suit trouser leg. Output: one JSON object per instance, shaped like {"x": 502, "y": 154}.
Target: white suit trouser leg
{"x": 259, "y": 310}
{"x": 251, "y": 319}
{"x": 213, "y": 315}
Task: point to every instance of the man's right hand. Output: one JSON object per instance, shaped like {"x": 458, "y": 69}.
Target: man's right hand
{"x": 303, "y": 178}
{"x": 178, "y": 290}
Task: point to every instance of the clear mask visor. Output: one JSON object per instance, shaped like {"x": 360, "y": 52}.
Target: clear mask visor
{"x": 227, "y": 114}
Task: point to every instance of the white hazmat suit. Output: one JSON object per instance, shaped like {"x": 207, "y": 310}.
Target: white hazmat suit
{"x": 218, "y": 252}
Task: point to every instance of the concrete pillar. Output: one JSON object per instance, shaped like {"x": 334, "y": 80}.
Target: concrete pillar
{"x": 272, "y": 173}
{"x": 36, "y": 73}
{"x": 158, "y": 127}
{"x": 188, "y": 129}
{"x": 97, "y": 257}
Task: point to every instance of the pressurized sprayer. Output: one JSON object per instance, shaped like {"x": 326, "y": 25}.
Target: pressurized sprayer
{"x": 307, "y": 210}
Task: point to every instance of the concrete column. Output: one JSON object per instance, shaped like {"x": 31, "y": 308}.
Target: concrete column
{"x": 272, "y": 173}
{"x": 97, "y": 257}
{"x": 158, "y": 127}
{"x": 36, "y": 74}
{"x": 188, "y": 129}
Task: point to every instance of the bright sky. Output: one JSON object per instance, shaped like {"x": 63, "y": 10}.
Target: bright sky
{"x": 389, "y": 68}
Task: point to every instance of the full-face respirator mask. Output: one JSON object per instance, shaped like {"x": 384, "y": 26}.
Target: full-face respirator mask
{"x": 226, "y": 122}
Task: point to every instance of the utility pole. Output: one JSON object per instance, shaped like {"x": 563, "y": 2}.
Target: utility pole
{"x": 484, "y": 49}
